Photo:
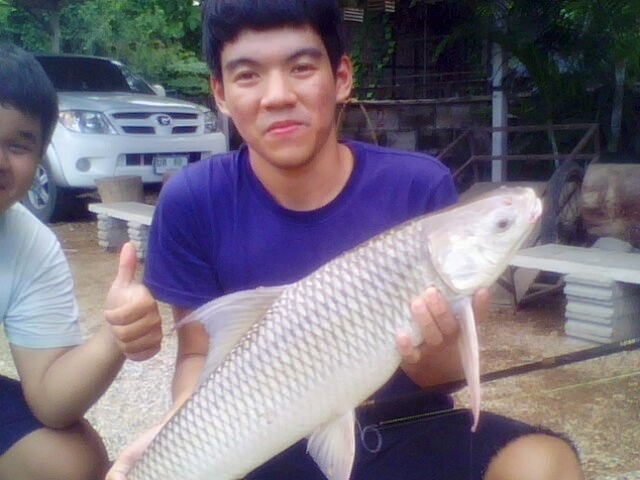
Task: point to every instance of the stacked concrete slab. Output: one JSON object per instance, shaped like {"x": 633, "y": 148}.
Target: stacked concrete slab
{"x": 602, "y": 286}
{"x": 601, "y": 309}
{"x": 139, "y": 236}
{"x": 112, "y": 232}
{"x": 119, "y": 222}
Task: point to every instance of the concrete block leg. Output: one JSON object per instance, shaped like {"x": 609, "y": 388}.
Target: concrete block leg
{"x": 112, "y": 233}
{"x": 600, "y": 309}
{"x": 139, "y": 237}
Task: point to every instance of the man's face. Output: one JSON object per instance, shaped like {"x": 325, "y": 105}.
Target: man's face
{"x": 281, "y": 93}
{"x": 20, "y": 149}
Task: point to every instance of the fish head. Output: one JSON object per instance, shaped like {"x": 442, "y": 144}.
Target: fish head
{"x": 472, "y": 243}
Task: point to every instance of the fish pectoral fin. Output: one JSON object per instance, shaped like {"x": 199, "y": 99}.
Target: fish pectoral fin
{"x": 228, "y": 318}
{"x": 333, "y": 447}
{"x": 469, "y": 353}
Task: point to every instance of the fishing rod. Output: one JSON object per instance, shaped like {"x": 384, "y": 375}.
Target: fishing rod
{"x": 544, "y": 364}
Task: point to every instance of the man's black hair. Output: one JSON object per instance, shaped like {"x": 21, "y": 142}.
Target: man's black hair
{"x": 24, "y": 85}
{"x": 223, "y": 20}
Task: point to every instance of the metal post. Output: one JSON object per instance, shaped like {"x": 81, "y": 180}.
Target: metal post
{"x": 500, "y": 110}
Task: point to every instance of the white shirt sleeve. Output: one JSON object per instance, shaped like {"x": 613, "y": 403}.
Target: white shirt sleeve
{"x": 37, "y": 301}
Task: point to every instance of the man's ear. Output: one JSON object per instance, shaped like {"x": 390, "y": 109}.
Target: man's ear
{"x": 218, "y": 94}
{"x": 344, "y": 79}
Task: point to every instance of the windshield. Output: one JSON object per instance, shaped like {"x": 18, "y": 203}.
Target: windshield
{"x": 86, "y": 74}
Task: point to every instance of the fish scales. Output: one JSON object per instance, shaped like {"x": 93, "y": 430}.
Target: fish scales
{"x": 323, "y": 346}
{"x": 329, "y": 341}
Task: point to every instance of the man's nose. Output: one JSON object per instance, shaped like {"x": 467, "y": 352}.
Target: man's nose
{"x": 279, "y": 90}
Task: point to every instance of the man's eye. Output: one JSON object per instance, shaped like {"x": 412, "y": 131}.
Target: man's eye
{"x": 245, "y": 76}
{"x": 19, "y": 149}
{"x": 302, "y": 68}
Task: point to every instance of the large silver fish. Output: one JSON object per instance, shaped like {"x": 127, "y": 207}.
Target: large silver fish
{"x": 295, "y": 361}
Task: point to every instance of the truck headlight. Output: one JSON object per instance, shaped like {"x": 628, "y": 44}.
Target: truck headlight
{"x": 83, "y": 121}
{"x": 210, "y": 122}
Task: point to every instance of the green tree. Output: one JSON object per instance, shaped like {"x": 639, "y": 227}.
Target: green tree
{"x": 611, "y": 33}
{"x": 186, "y": 14}
{"x": 579, "y": 56}
{"x": 148, "y": 35}
{"x": 46, "y": 13}
{"x": 159, "y": 39}
{"x": 19, "y": 27}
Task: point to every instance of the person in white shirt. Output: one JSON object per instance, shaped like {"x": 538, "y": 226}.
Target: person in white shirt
{"x": 43, "y": 433}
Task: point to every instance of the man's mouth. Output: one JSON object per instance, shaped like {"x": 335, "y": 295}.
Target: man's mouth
{"x": 284, "y": 126}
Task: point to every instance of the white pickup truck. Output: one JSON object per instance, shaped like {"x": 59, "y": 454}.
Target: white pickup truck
{"x": 113, "y": 123}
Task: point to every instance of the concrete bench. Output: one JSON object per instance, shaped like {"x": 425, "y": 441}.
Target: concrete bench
{"x": 602, "y": 288}
{"x": 119, "y": 222}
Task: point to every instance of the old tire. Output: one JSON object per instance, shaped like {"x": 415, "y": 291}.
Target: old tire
{"x": 561, "y": 221}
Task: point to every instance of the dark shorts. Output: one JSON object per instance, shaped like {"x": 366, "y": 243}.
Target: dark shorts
{"x": 423, "y": 447}
{"x": 16, "y": 419}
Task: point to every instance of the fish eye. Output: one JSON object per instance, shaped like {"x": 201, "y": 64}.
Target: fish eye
{"x": 503, "y": 223}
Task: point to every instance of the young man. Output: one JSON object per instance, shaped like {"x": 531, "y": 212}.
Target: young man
{"x": 42, "y": 430}
{"x": 290, "y": 200}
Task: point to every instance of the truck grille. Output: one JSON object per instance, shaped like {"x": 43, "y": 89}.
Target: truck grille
{"x": 157, "y": 123}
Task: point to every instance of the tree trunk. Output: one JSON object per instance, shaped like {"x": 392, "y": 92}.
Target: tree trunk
{"x": 125, "y": 188}
{"x": 54, "y": 29}
{"x": 611, "y": 202}
{"x": 616, "y": 111}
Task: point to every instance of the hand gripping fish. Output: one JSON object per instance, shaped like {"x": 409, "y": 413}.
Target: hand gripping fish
{"x": 295, "y": 361}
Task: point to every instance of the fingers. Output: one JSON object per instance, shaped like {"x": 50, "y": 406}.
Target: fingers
{"x": 115, "y": 474}
{"x": 120, "y": 468}
{"x": 132, "y": 312}
{"x": 131, "y": 454}
{"x": 121, "y": 288}
{"x": 122, "y": 465}
{"x": 140, "y": 349}
{"x": 126, "y": 266}
{"x": 436, "y": 321}
{"x": 135, "y": 304}
{"x": 408, "y": 352}
{"x": 437, "y": 324}
{"x": 137, "y": 325}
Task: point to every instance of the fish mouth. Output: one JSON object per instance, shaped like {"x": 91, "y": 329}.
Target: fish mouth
{"x": 536, "y": 210}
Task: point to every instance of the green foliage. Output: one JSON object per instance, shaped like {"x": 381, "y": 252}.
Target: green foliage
{"x": 566, "y": 52}
{"x": 187, "y": 75}
{"x": 157, "y": 38}
{"x": 19, "y": 27}
{"x": 373, "y": 51}
{"x": 576, "y": 58}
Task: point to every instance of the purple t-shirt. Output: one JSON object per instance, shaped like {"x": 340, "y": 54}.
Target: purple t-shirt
{"x": 217, "y": 230}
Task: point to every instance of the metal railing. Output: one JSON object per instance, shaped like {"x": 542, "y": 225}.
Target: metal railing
{"x": 578, "y": 151}
{"x": 431, "y": 86}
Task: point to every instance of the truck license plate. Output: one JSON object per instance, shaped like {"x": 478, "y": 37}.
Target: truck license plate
{"x": 165, "y": 163}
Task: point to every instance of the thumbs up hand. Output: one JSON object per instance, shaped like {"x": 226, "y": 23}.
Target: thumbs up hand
{"x": 131, "y": 311}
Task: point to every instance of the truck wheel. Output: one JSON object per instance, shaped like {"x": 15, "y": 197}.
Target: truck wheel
{"x": 45, "y": 199}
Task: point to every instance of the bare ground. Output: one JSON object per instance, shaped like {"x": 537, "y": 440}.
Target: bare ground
{"x": 596, "y": 402}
